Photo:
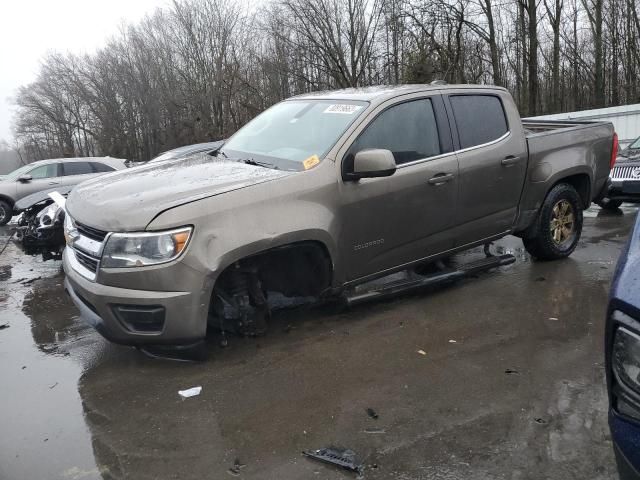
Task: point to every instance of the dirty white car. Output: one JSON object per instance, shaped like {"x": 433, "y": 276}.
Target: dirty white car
{"x": 47, "y": 174}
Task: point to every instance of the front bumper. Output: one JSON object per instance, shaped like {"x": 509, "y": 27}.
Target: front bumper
{"x": 625, "y": 190}
{"x": 184, "y": 314}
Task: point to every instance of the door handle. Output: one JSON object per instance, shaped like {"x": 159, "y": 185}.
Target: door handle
{"x": 510, "y": 160}
{"x": 441, "y": 179}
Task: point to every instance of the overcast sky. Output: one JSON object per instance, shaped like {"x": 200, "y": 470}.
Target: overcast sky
{"x": 30, "y": 28}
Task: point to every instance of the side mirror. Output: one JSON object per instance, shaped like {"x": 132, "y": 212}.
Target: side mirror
{"x": 25, "y": 178}
{"x": 372, "y": 163}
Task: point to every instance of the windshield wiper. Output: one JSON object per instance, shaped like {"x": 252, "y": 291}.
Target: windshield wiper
{"x": 251, "y": 161}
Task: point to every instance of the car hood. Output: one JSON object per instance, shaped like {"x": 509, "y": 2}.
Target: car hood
{"x": 628, "y": 156}
{"x": 129, "y": 199}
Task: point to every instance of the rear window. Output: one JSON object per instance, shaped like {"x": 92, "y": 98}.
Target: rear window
{"x": 76, "y": 168}
{"x": 101, "y": 167}
{"x": 480, "y": 119}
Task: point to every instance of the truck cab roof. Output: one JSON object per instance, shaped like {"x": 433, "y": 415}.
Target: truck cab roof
{"x": 384, "y": 92}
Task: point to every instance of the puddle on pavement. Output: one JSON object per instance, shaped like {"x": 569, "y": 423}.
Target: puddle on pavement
{"x": 44, "y": 434}
{"x": 83, "y": 408}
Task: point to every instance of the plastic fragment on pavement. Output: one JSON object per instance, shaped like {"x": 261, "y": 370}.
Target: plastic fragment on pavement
{"x": 190, "y": 392}
{"x": 344, "y": 458}
{"x": 422, "y": 352}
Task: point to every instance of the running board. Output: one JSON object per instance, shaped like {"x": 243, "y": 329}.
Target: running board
{"x": 417, "y": 282}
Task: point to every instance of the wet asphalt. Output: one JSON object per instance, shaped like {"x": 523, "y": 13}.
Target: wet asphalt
{"x": 510, "y": 385}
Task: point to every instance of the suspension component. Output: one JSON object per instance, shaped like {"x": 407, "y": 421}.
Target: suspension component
{"x": 240, "y": 304}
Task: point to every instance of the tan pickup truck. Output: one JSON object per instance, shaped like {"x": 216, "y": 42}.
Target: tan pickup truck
{"x": 319, "y": 194}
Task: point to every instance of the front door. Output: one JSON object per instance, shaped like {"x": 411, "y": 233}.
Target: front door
{"x": 391, "y": 221}
{"x": 43, "y": 177}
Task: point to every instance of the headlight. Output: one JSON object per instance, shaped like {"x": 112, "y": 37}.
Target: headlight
{"x": 47, "y": 216}
{"x": 626, "y": 358}
{"x": 70, "y": 231}
{"x": 142, "y": 249}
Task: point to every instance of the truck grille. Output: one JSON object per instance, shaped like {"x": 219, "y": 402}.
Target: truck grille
{"x": 87, "y": 261}
{"x": 90, "y": 232}
{"x": 626, "y": 173}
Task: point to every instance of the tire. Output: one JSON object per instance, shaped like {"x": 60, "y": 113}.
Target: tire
{"x": 609, "y": 204}
{"x": 558, "y": 226}
{"x": 6, "y": 212}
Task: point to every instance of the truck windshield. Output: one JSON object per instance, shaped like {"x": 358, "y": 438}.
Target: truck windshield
{"x": 293, "y": 131}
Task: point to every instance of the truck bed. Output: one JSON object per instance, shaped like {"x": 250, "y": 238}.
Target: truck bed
{"x": 534, "y": 127}
{"x": 561, "y": 148}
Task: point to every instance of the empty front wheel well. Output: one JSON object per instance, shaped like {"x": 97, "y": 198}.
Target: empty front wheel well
{"x": 300, "y": 269}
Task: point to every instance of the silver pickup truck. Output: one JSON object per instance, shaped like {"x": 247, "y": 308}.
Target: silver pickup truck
{"x": 318, "y": 195}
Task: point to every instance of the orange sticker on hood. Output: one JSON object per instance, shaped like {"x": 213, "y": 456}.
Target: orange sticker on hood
{"x": 311, "y": 162}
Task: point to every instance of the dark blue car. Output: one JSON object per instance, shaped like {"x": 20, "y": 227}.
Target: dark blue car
{"x": 622, "y": 349}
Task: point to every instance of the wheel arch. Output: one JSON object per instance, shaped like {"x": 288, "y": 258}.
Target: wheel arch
{"x": 9, "y": 200}
{"x": 297, "y": 259}
{"x": 582, "y": 184}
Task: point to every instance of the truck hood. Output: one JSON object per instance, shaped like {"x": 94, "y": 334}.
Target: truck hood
{"x": 128, "y": 200}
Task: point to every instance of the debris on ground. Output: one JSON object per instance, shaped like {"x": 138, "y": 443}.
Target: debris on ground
{"x": 3, "y": 326}
{"x": 51, "y": 387}
{"x": 452, "y": 341}
{"x": 375, "y": 430}
{"x": 237, "y": 466}
{"x": 190, "y": 392}
{"x": 344, "y": 458}
{"x": 541, "y": 421}
{"x": 422, "y": 352}
{"x": 510, "y": 371}
{"x": 540, "y": 279}
{"x": 372, "y": 413}
{"x": 29, "y": 281}
{"x": 553, "y": 319}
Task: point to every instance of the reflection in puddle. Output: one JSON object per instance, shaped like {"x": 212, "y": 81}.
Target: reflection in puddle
{"x": 43, "y": 430}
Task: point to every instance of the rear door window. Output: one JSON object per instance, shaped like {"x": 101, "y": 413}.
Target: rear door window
{"x": 45, "y": 171}
{"x": 408, "y": 130}
{"x": 76, "y": 168}
{"x": 101, "y": 167}
{"x": 480, "y": 119}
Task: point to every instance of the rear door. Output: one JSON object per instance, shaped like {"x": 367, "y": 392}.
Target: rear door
{"x": 76, "y": 172}
{"x": 390, "y": 221}
{"x": 43, "y": 177}
{"x": 492, "y": 155}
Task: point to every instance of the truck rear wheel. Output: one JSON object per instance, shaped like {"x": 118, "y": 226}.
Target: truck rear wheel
{"x": 559, "y": 225}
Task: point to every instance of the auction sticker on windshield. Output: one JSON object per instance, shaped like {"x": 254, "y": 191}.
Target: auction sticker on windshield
{"x": 343, "y": 108}
{"x": 311, "y": 162}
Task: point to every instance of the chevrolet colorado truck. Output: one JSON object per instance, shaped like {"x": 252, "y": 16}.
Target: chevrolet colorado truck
{"x": 318, "y": 195}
